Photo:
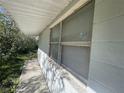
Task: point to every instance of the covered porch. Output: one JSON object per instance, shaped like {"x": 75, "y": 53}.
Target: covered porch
{"x": 80, "y": 42}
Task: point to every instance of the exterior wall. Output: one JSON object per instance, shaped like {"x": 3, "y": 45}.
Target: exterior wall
{"x": 106, "y": 73}
{"x": 44, "y": 41}
{"x": 107, "y": 55}
{"x": 58, "y": 79}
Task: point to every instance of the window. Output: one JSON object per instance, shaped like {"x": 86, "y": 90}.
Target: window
{"x": 71, "y": 40}
{"x": 55, "y": 43}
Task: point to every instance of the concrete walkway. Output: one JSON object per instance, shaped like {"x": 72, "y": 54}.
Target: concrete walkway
{"x": 32, "y": 80}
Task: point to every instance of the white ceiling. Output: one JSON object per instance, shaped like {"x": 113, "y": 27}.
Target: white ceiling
{"x": 32, "y": 16}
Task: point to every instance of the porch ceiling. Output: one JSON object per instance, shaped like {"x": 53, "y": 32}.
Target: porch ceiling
{"x": 32, "y": 16}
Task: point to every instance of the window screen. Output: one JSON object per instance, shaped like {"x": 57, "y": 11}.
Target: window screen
{"x": 54, "y": 51}
{"x": 77, "y": 59}
{"x": 78, "y": 26}
{"x": 54, "y": 42}
{"x": 55, "y": 32}
{"x": 76, "y": 29}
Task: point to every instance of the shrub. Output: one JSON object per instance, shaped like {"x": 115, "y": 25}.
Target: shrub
{"x": 12, "y": 41}
{"x": 8, "y": 32}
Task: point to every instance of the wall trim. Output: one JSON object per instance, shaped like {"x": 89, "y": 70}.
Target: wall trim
{"x": 70, "y": 11}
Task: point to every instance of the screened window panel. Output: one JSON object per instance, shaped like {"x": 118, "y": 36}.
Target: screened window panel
{"x": 55, "y": 33}
{"x": 75, "y": 28}
{"x": 78, "y": 27}
{"x": 77, "y": 59}
{"x": 54, "y": 51}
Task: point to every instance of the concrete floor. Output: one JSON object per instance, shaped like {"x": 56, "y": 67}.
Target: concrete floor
{"x": 31, "y": 79}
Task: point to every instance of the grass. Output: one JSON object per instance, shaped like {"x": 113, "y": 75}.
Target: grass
{"x": 10, "y": 72}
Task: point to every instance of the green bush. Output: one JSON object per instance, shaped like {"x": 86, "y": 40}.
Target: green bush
{"x": 15, "y": 48}
{"x": 25, "y": 43}
{"x": 12, "y": 41}
{"x": 7, "y": 37}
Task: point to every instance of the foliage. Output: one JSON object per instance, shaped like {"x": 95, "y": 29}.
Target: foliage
{"x": 10, "y": 72}
{"x": 14, "y": 47}
{"x": 7, "y": 37}
{"x": 12, "y": 41}
{"x": 25, "y": 43}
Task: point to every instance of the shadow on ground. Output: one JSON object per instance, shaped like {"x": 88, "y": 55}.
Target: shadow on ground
{"x": 32, "y": 79}
{"x": 33, "y": 85}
